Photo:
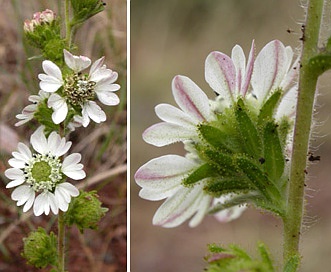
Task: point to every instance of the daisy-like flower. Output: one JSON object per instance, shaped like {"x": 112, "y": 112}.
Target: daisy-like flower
{"x": 43, "y": 173}
{"x": 29, "y": 111}
{"x": 232, "y": 78}
{"x": 77, "y": 90}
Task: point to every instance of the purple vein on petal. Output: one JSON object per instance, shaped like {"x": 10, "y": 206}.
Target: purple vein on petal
{"x": 249, "y": 70}
{"x": 220, "y": 74}
{"x": 184, "y": 100}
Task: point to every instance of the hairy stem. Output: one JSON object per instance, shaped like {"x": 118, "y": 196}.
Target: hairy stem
{"x": 61, "y": 242}
{"x": 307, "y": 87}
{"x": 67, "y": 21}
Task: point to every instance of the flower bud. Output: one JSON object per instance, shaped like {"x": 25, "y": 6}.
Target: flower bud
{"x": 45, "y": 17}
{"x": 85, "y": 211}
{"x": 40, "y": 249}
{"x": 29, "y": 25}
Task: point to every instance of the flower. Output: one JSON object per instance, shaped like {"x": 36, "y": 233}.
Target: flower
{"x": 210, "y": 162}
{"x": 45, "y": 17}
{"x": 77, "y": 90}
{"x": 29, "y": 111}
{"x": 43, "y": 172}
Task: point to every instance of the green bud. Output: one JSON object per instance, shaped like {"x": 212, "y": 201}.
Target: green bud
{"x": 40, "y": 249}
{"x": 85, "y": 211}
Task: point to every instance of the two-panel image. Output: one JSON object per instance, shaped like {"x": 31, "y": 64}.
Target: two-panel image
{"x": 165, "y": 136}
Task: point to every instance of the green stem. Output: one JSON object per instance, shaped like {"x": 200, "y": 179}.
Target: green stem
{"x": 61, "y": 242}
{"x": 307, "y": 86}
{"x": 67, "y": 21}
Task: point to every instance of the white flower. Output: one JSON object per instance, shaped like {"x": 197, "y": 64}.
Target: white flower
{"x": 43, "y": 173}
{"x": 256, "y": 81}
{"x": 161, "y": 178}
{"x": 79, "y": 90}
{"x": 180, "y": 125}
{"x": 232, "y": 78}
{"x": 29, "y": 111}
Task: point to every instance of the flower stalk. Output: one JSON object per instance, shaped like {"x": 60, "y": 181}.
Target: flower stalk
{"x": 67, "y": 21}
{"x": 307, "y": 86}
{"x": 61, "y": 242}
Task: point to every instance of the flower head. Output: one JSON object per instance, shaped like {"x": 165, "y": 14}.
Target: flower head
{"x": 43, "y": 172}
{"x": 231, "y": 141}
{"x": 76, "y": 90}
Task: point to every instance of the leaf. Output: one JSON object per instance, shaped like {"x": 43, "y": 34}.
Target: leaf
{"x": 204, "y": 171}
{"x": 223, "y": 162}
{"x": 268, "y": 108}
{"x": 217, "y": 138}
{"x": 265, "y": 255}
{"x": 235, "y": 259}
{"x": 259, "y": 179}
{"x": 235, "y": 200}
{"x": 249, "y": 134}
{"x": 219, "y": 186}
{"x": 273, "y": 154}
{"x": 292, "y": 264}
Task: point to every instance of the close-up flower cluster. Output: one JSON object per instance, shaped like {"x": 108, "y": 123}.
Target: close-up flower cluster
{"x": 217, "y": 174}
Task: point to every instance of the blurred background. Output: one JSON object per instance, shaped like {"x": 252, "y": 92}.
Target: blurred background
{"x": 103, "y": 146}
{"x": 174, "y": 37}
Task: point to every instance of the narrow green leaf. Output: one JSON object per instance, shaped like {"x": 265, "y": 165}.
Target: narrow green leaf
{"x": 292, "y": 264}
{"x": 283, "y": 130}
{"x": 273, "y": 154}
{"x": 223, "y": 162}
{"x": 204, "y": 171}
{"x": 248, "y": 132}
{"x": 235, "y": 200}
{"x": 220, "y": 186}
{"x": 268, "y": 108}
{"x": 320, "y": 63}
{"x": 215, "y": 137}
{"x": 265, "y": 255}
{"x": 259, "y": 179}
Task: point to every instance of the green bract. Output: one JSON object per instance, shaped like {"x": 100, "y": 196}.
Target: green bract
{"x": 85, "y": 211}
{"x": 244, "y": 154}
{"x": 236, "y": 259}
{"x": 40, "y": 249}
{"x": 84, "y": 9}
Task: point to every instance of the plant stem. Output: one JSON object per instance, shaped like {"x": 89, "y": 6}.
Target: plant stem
{"x": 307, "y": 86}
{"x": 67, "y": 21}
{"x": 61, "y": 242}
